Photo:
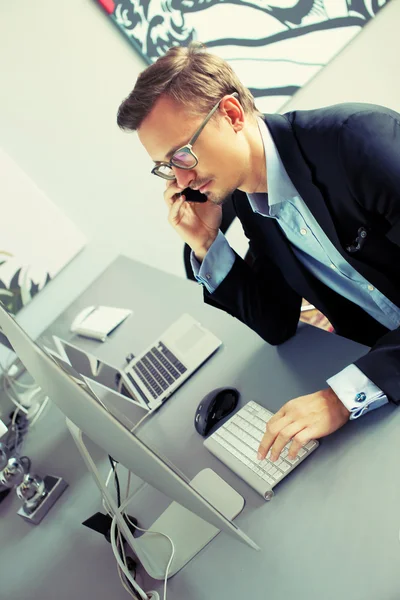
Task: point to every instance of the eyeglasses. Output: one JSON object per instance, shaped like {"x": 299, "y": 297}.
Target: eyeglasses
{"x": 184, "y": 157}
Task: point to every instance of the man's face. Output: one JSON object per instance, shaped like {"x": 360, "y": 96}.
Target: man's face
{"x": 220, "y": 148}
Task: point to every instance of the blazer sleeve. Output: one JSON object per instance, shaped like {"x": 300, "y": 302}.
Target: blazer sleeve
{"x": 256, "y": 293}
{"x": 369, "y": 147}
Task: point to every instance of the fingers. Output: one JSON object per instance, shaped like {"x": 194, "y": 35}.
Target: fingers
{"x": 172, "y": 192}
{"x": 273, "y": 427}
{"x": 279, "y": 433}
{"x": 299, "y": 440}
{"x": 174, "y": 216}
{"x": 292, "y": 431}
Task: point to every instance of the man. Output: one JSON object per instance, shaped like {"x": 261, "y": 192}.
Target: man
{"x": 318, "y": 195}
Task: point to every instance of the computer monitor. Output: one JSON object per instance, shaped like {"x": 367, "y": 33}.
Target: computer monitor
{"x": 94, "y": 369}
{"x": 190, "y": 529}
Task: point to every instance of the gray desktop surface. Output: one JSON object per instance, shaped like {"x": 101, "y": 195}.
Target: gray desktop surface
{"x": 330, "y": 532}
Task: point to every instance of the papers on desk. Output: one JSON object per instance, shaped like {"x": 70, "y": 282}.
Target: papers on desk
{"x": 99, "y": 321}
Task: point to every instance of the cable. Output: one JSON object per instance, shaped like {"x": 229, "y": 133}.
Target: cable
{"x": 146, "y": 416}
{"x": 27, "y": 386}
{"x": 40, "y": 411}
{"x": 123, "y": 567}
{"x": 128, "y": 485}
{"x": 116, "y": 480}
{"x": 129, "y": 584}
{"x": 13, "y": 400}
{"x": 23, "y": 417}
{"x": 15, "y": 430}
{"x": 111, "y": 471}
{"x": 126, "y": 578}
{"x": 125, "y": 582}
{"x": 7, "y": 379}
{"x": 121, "y": 511}
{"x": 6, "y": 373}
{"x": 13, "y": 384}
{"x": 172, "y": 553}
{"x": 14, "y": 418}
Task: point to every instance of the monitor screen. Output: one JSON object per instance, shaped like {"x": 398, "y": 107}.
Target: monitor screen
{"x": 88, "y": 365}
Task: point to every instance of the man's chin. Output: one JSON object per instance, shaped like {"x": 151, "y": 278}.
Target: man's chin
{"x": 219, "y": 198}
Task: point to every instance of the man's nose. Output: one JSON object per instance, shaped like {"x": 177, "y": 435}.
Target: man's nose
{"x": 184, "y": 177}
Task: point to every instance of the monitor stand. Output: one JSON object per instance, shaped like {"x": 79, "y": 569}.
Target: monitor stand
{"x": 189, "y": 533}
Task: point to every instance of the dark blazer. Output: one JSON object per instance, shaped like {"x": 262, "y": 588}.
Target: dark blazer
{"x": 344, "y": 160}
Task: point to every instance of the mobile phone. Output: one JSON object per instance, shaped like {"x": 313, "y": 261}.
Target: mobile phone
{"x": 194, "y": 195}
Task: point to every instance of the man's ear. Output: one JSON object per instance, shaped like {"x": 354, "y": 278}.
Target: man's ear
{"x": 233, "y": 112}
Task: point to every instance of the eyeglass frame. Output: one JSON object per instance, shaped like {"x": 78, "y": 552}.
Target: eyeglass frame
{"x": 188, "y": 146}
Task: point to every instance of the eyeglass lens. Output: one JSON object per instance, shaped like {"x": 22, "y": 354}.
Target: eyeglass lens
{"x": 183, "y": 158}
{"x": 165, "y": 171}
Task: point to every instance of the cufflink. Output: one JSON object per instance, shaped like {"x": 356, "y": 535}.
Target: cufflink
{"x": 361, "y": 397}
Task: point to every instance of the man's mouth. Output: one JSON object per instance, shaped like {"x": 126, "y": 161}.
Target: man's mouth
{"x": 203, "y": 188}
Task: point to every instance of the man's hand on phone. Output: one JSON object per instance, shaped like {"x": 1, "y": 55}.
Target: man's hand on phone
{"x": 196, "y": 223}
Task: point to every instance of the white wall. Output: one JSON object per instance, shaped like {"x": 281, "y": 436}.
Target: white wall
{"x": 65, "y": 68}
{"x": 367, "y": 69}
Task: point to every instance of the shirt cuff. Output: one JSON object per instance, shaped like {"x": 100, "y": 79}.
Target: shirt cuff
{"x": 216, "y": 265}
{"x": 356, "y": 391}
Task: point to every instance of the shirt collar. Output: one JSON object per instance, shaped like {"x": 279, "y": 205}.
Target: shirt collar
{"x": 280, "y": 187}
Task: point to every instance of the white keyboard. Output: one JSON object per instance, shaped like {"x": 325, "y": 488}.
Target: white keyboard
{"x": 236, "y": 443}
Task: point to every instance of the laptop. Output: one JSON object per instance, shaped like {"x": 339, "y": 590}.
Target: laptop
{"x": 151, "y": 377}
{"x": 165, "y": 364}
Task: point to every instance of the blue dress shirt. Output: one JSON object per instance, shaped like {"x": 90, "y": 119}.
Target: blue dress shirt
{"x": 317, "y": 253}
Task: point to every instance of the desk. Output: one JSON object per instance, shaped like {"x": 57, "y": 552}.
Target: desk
{"x": 331, "y": 531}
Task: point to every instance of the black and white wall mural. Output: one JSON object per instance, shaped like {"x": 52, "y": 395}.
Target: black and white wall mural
{"x": 274, "y": 47}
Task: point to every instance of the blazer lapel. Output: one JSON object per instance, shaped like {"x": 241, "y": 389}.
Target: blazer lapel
{"x": 301, "y": 177}
{"x": 300, "y": 174}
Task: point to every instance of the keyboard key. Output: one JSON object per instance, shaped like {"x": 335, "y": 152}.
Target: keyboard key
{"x": 172, "y": 358}
{"x": 142, "y": 379}
{"x": 267, "y": 466}
{"x": 265, "y": 415}
{"x": 146, "y": 378}
{"x": 157, "y": 364}
{"x": 254, "y": 405}
{"x": 170, "y": 368}
{"x": 311, "y": 444}
{"x": 284, "y": 466}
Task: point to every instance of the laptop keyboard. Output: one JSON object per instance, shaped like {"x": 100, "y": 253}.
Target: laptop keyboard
{"x": 158, "y": 369}
{"x": 236, "y": 442}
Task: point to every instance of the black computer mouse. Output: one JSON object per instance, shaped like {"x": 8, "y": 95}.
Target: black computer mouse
{"x": 214, "y": 407}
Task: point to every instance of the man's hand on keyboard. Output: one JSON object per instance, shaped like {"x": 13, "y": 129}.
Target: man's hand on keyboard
{"x": 301, "y": 420}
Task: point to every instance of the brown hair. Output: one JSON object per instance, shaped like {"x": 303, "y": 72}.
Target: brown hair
{"x": 191, "y": 76}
